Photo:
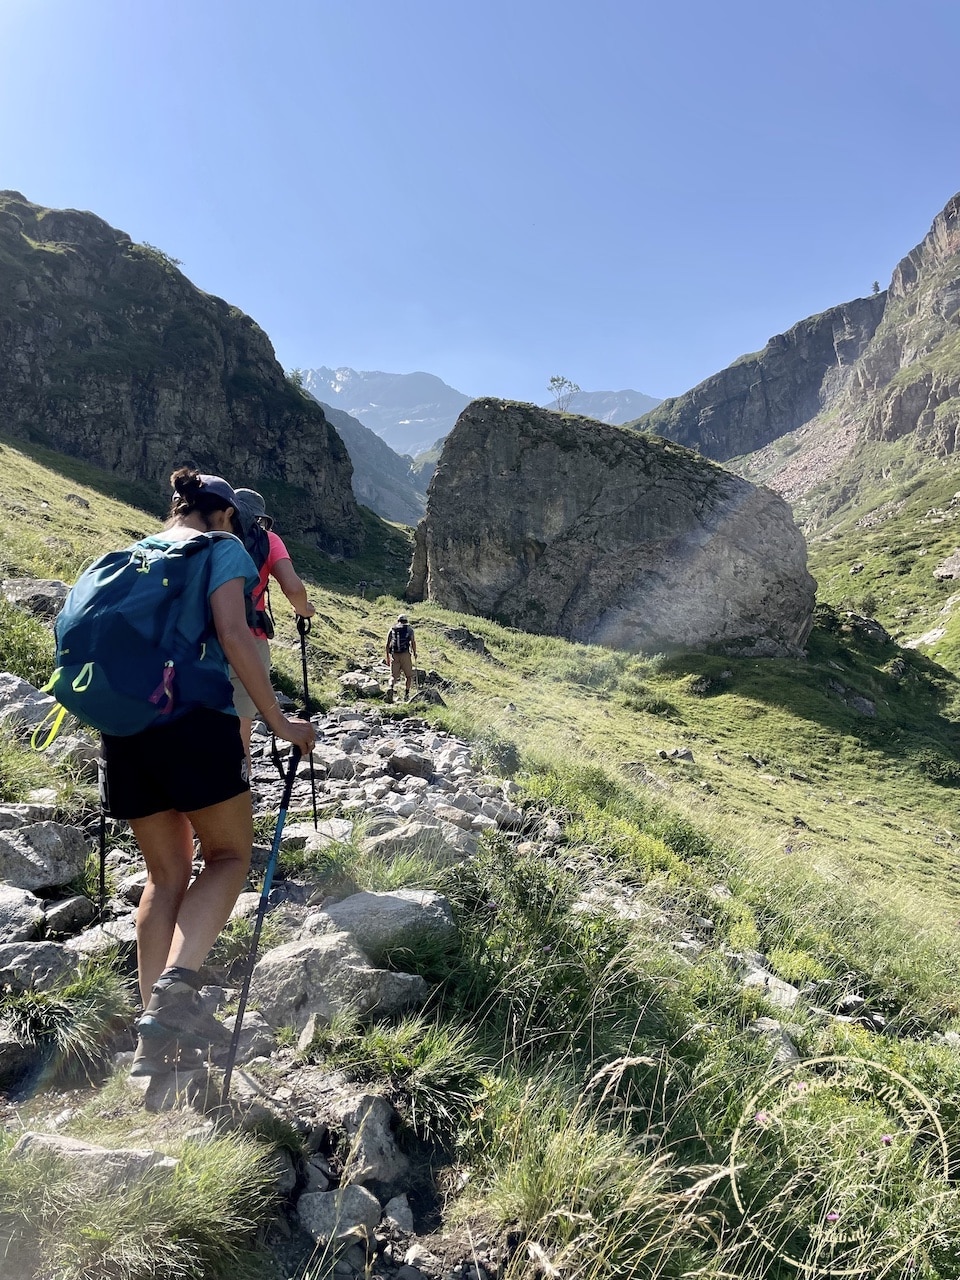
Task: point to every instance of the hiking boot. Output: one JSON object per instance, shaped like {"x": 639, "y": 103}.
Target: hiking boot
{"x": 160, "y": 1055}
{"x": 176, "y": 1010}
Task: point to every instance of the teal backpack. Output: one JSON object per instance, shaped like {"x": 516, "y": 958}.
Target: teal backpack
{"x": 123, "y": 659}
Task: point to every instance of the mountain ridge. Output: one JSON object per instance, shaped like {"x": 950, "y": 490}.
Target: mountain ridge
{"x": 110, "y": 354}
{"x": 877, "y": 375}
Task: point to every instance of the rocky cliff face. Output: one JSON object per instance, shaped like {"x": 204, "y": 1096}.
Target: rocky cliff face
{"x": 566, "y": 526}
{"x": 110, "y": 354}
{"x": 383, "y": 480}
{"x": 822, "y": 405}
{"x": 763, "y": 396}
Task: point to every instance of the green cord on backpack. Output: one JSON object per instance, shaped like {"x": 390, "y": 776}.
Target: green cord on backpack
{"x": 127, "y": 654}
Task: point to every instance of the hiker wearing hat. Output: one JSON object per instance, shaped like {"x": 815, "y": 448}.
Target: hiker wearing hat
{"x": 401, "y": 653}
{"x": 272, "y": 560}
{"x": 185, "y": 774}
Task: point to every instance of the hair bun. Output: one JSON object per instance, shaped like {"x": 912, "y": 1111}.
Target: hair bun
{"x": 186, "y": 481}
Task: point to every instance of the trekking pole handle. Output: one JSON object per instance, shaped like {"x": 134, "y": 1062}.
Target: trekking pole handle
{"x": 304, "y": 625}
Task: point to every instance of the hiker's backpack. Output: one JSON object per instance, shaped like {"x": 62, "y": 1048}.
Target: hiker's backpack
{"x": 400, "y": 638}
{"x": 258, "y": 545}
{"x": 127, "y": 654}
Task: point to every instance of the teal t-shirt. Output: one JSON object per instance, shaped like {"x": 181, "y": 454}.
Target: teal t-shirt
{"x": 226, "y": 558}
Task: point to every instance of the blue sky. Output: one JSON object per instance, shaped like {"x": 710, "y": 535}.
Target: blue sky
{"x": 626, "y": 193}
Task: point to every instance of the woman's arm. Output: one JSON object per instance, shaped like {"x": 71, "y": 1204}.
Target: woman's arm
{"x": 292, "y": 587}
{"x": 230, "y": 621}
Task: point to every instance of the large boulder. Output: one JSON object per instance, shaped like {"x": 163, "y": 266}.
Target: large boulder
{"x": 569, "y": 527}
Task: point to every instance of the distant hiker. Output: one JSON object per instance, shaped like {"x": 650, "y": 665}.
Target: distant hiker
{"x": 187, "y": 774}
{"x": 272, "y": 560}
{"x": 401, "y": 653}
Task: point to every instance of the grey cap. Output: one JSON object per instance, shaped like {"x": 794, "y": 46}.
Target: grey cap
{"x": 402, "y": 617}
{"x": 250, "y": 507}
{"x": 219, "y": 486}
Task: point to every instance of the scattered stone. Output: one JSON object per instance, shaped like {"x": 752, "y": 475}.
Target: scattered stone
{"x": 781, "y": 994}
{"x": 20, "y": 703}
{"x": 363, "y": 683}
{"x": 778, "y": 1036}
{"x": 326, "y": 975}
{"x": 35, "y": 966}
{"x": 398, "y": 1212}
{"x": 42, "y": 597}
{"x": 21, "y": 914}
{"x": 371, "y": 1155}
{"x": 385, "y": 922}
{"x": 44, "y": 855}
{"x": 404, "y": 762}
{"x": 333, "y": 1216}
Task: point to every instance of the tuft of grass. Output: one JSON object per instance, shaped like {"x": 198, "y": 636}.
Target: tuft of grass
{"x": 72, "y": 1025}
{"x": 432, "y": 1073}
{"x": 233, "y": 943}
{"x": 26, "y": 645}
{"x": 585, "y": 1196}
{"x": 198, "y": 1224}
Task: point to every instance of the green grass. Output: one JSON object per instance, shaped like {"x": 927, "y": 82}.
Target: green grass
{"x": 586, "y": 1078}
{"x": 201, "y": 1224}
{"x": 432, "y": 1073}
{"x": 73, "y": 1025}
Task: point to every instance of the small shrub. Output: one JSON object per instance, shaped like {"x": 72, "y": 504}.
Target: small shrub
{"x": 935, "y": 766}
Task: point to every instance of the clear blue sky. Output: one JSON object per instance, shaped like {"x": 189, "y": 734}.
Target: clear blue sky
{"x": 626, "y": 193}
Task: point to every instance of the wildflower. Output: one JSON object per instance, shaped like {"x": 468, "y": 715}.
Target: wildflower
{"x": 832, "y": 1216}
{"x": 762, "y": 1118}
{"x": 887, "y": 1139}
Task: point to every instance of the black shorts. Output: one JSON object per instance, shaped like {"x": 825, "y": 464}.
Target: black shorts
{"x": 195, "y": 761}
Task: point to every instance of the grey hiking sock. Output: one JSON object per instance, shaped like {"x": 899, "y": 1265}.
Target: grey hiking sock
{"x": 176, "y": 973}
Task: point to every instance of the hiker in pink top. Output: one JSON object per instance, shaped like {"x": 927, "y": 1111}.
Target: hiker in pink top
{"x": 273, "y": 561}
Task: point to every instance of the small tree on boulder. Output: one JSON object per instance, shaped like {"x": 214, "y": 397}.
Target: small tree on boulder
{"x": 562, "y": 390}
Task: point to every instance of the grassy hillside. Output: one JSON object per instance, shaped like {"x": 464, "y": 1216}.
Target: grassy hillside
{"x": 817, "y": 823}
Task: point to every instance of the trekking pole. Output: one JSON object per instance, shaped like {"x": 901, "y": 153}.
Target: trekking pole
{"x": 304, "y": 626}
{"x": 261, "y": 912}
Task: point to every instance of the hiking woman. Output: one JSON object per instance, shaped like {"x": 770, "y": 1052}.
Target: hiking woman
{"x": 189, "y": 776}
{"x": 272, "y": 559}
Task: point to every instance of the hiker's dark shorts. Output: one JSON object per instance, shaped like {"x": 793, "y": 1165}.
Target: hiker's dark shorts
{"x": 194, "y": 762}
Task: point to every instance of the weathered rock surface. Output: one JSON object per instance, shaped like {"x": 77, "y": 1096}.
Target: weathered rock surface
{"x": 99, "y": 1168}
{"x": 44, "y": 855}
{"x": 566, "y": 526}
{"x": 326, "y": 975}
{"x": 763, "y": 396}
{"x": 112, "y": 355}
{"x": 868, "y": 372}
{"x": 382, "y": 922}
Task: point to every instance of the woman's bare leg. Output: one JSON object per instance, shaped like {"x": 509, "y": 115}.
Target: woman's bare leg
{"x": 166, "y": 841}
{"x": 226, "y": 843}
